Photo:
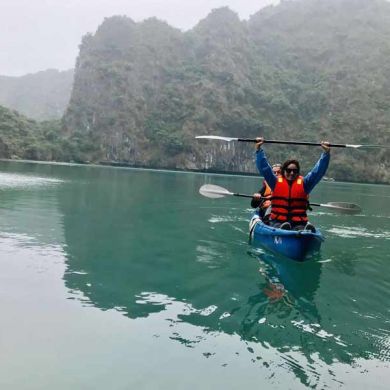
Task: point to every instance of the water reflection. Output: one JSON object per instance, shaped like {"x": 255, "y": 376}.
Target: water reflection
{"x": 290, "y": 284}
{"x": 142, "y": 244}
{"x": 135, "y": 245}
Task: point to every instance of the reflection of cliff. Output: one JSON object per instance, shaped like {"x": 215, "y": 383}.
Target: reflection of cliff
{"x": 122, "y": 243}
{"x": 125, "y": 237}
{"x": 33, "y": 215}
{"x": 141, "y": 241}
{"x": 125, "y": 250}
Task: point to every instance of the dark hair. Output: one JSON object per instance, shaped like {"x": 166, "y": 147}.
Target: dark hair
{"x": 288, "y": 162}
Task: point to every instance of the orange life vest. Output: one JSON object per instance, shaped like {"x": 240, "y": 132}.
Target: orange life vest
{"x": 289, "y": 202}
{"x": 267, "y": 194}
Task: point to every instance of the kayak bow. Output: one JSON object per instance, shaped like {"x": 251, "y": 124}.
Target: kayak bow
{"x": 295, "y": 244}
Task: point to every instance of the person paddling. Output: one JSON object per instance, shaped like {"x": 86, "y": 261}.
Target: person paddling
{"x": 262, "y": 198}
{"x": 290, "y": 191}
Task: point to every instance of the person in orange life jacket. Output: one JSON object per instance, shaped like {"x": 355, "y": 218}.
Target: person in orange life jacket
{"x": 290, "y": 191}
{"x": 259, "y": 201}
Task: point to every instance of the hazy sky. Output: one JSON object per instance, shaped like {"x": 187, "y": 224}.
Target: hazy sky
{"x": 40, "y": 34}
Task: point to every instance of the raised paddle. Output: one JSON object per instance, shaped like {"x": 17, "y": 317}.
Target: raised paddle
{"x": 214, "y": 192}
{"x": 229, "y": 139}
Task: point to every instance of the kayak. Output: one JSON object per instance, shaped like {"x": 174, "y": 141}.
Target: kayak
{"x": 295, "y": 244}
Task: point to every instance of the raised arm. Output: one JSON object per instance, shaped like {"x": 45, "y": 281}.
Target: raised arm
{"x": 319, "y": 170}
{"x": 263, "y": 165}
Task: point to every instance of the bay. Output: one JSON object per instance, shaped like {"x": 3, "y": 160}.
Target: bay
{"x": 127, "y": 278}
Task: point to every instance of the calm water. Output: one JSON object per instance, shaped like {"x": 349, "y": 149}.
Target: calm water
{"x": 129, "y": 279}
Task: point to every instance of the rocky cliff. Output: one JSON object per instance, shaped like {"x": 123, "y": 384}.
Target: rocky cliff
{"x": 302, "y": 70}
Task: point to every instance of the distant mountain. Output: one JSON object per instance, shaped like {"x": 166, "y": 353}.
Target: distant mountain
{"x": 302, "y": 70}
{"x": 42, "y": 96}
{"x": 305, "y": 69}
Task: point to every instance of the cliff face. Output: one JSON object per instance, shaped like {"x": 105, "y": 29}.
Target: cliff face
{"x": 306, "y": 70}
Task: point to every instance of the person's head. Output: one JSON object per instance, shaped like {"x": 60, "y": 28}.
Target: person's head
{"x": 291, "y": 169}
{"x": 277, "y": 169}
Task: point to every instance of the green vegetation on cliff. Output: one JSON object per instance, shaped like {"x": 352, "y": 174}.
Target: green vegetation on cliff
{"x": 302, "y": 70}
{"x": 24, "y": 138}
{"x": 306, "y": 69}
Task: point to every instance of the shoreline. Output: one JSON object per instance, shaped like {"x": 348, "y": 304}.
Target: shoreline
{"x": 115, "y": 164}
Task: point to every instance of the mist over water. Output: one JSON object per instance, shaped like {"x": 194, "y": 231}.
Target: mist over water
{"x": 125, "y": 278}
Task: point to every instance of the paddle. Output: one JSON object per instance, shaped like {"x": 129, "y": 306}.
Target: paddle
{"x": 214, "y": 192}
{"x": 229, "y": 139}
{"x": 342, "y": 207}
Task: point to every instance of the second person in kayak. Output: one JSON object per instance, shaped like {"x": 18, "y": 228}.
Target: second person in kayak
{"x": 290, "y": 191}
{"x": 262, "y": 199}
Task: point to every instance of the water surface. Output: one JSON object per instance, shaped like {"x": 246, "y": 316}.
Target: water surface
{"x": 124, "y": 278}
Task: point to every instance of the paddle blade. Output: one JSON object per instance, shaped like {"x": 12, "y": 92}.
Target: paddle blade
{"x": 217, "y": 137}
{"x": 343, "y": 207}
{"x": 348, "y": 208}
{"x": 368, "y": 146}
{"x": 213, "y": 191}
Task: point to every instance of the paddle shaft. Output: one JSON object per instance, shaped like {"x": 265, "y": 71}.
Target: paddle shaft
{"x": 310, "y": 203}
{"x": 261, "y": 198}
{"x": 243, "y": 195}
{"x": 229, "y": 139}
{"x": 291, "y": 142}
{"x": 251, "y": 196}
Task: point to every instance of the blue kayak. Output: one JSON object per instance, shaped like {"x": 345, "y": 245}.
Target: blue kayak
{"x": 295, "y": 244}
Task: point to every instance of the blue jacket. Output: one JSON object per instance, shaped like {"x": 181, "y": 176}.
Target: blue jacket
{"x": 309, "y": 181}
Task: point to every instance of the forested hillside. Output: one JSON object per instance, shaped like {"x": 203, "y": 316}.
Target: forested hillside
{"x": 24, "y": 138}
{"x": 303, "y": 70}
{"x": 41, "y": 96}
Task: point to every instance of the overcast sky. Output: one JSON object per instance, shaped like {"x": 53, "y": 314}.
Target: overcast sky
{"x": 40, "y": 34}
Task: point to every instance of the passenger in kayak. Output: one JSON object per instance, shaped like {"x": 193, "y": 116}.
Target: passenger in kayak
{"x": 262, "y": 198}
{"x": 290, "y": 191}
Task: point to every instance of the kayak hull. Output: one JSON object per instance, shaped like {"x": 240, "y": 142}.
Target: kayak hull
{"x": 296, "y": 245}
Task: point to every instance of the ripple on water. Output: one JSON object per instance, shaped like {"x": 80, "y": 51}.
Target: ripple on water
{"x": 226, "y": 218}
{"x": 208, "y": 253}
{"x": 356, "y": 232}
{"x": 12, "y": 180}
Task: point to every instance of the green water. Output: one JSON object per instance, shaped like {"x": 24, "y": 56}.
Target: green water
{"x": 129, "y": 279}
